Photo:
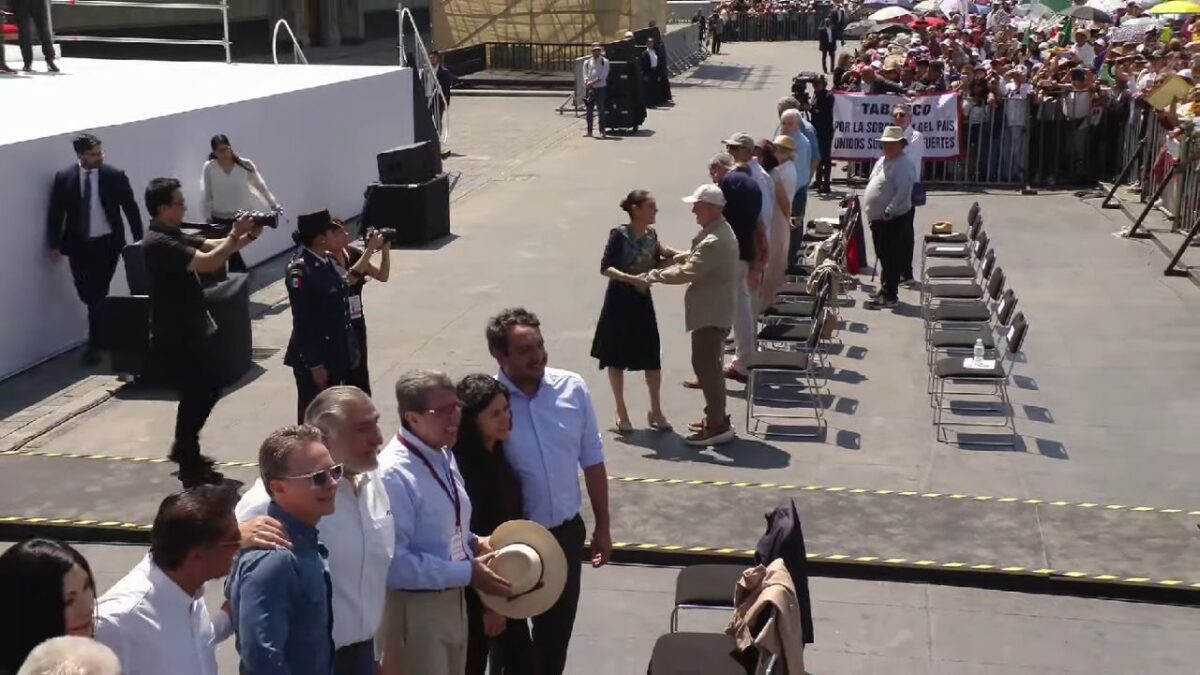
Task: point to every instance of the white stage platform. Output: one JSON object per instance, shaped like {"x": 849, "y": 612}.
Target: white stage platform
{"x": 312, "y": 130}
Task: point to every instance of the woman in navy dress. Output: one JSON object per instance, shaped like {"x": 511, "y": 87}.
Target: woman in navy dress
{"x": 627, "y": 331}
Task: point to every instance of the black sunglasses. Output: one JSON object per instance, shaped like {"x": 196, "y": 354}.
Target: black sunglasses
{"x": 323, "y": 477}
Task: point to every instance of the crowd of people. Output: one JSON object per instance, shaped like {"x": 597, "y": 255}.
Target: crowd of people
{"x": 1036, "y": 90}
{"x": 453, "y": 546}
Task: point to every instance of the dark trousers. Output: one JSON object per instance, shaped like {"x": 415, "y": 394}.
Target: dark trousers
{"x": 593, "y": 102}
{"x": 307, "y": 389}
{"x": 889, "y": 251}
{"x": 510, "y": 653}
{"x": 191, "y": 365}
{"x": 29, "y": 14}
{"x": 360, "y": 377}
{"x": 92, "y": 266}
{"x": 355, "y": 659}
{"x": 552, "y": 630}
{"x": 796, "y": 236}
{"x": 825, "y": 166}
{"x": 716, "y": 48}
{"x": 904, "y": 248}
{"x": 831, "y": 54}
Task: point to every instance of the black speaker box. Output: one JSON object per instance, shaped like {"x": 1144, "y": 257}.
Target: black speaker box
{"x": 414, "y": 163}
{"x": 418, "y": 212}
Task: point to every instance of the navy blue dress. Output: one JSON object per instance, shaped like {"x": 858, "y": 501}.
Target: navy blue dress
{"x": 627, "y": 331}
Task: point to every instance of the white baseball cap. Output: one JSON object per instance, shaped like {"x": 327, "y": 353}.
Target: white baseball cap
{"x": 708, "y": 193}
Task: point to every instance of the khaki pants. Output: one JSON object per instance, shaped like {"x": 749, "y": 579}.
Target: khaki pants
{"x": 708, "y": 358}
{"x": 424, "y": 633}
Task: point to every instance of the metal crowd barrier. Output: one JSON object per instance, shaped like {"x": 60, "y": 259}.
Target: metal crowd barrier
{"x": 773, "y": 26}
{"x": 222, "y": 6}
{"x": 684, "y": 48}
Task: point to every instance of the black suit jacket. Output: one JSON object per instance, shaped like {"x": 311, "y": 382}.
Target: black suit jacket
{"x": 64, "y": 228}
{"x": 827, "y": 39}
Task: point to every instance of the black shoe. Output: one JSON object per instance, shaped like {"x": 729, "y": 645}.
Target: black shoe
{"x": 51, "y": 68}
{"x": 91, "y": 356}
{"x": 882, "y": 303}
{"x": 28, "y": 68}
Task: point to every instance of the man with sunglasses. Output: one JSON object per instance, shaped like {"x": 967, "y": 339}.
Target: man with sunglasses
{"x": 436, "y": 555}
{"x": 155, "y": 618}
{"x": 358, "y": 534}
{"x": 280, "y": 597}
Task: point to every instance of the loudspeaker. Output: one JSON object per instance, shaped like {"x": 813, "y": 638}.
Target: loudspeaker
{"x": 414, "y": 163}
{"x": 418, "y": 212}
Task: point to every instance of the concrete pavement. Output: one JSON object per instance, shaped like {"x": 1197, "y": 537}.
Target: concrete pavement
{"x": 1102, "y": 400}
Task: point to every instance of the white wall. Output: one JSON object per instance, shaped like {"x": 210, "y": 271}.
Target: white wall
{"x": 316, "y": 148}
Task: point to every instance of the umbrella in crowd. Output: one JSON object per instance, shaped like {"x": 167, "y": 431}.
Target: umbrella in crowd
{"x": 926, "y": 21}
{"x": 1140, "y": 21}
{"x": 887, "y": 3}
{"x": 1086, "y": 13}
{"x": 926, "y": 6}
{"x": 890, "y": 14}
{"x": 1034, "y": 12}
{"x": 1176, "y": 7}
{"x": 1128, "y": 32}
{"x": 1108, "y": 6}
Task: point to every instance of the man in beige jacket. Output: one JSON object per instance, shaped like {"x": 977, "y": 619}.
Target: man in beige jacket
{"x": 711, "y": 271}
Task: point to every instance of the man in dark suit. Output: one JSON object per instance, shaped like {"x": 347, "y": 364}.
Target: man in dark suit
{"x": 84, "y": 224}
{"x": 445, "y": 78}
{"x": 30, "y": 15}
{"x": 827, "y": 42}
{"x": 839, "y": 18}
{"x": 654, "y": 65}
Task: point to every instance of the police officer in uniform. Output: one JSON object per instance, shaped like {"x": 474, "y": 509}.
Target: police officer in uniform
{"x": 322, "y": 350}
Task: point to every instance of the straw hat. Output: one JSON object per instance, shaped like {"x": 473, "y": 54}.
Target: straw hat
{"x": 529, "y": 557}
{"x": 785, "y": 142}
{"x": 892, "y": 134}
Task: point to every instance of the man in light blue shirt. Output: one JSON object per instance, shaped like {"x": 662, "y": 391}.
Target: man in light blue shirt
{"x": 808, "y": 155}
{"x": 437, "y": 556}
{"x": 554, "y": 435}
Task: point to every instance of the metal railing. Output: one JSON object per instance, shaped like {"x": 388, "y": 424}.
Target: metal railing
{"x": 766, "y": 27}
{"x": 424, "y": 70}
{"x": 297, "y": 53}
{"x": 553, "y": 57}
{"x": 222, "y": 6}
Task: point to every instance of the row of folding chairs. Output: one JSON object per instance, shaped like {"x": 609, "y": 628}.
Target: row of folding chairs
{"x": 790, "y": 366}
{"x": 964, "y": 301}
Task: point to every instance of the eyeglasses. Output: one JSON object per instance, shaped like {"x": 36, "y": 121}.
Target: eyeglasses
{"x": 445, "y": 409}
{"x": 322, "y": 477}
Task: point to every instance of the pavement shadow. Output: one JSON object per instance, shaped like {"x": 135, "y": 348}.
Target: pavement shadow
{"x": 158, "y": 391}
{"x": 744, "y": 452}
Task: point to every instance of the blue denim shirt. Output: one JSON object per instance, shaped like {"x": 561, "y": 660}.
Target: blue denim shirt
{"x": 281, "y": 605}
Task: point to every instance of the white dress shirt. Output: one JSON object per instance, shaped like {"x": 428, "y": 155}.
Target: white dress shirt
{"x": 155, "y": 628}
{"x": 225, "y": 194}
{"x": 915, "y": 150}
{"x": 653, "y": 58}
{"x": 359, "y": 537}
{"x": 97, "y": 224}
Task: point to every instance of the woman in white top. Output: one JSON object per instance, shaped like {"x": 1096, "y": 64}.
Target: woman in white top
{"x": 784, "y": 176}
{"x": 232, "y": 184}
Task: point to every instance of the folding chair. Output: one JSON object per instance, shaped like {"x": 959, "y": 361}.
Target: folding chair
{"x": 703, "y": 653}
{"x": 965, "y": 288}
{"x": 803, "y": 364}
{"x": 705, "y": 587}
{"x": 950, "y": 311}
{"x": 798, "y": 307}
{"x": 968, "y": 252}
{"x": 952, "y": 239}
{"x": 963, "y": 336}
{"x": 957, "y": 370}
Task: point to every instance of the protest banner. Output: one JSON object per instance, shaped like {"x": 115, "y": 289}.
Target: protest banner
{"x": 859, "y": 119}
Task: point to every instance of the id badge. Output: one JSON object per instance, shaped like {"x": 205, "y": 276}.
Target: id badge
{"x": 457, "y": 550}
{"x": 356, "y": 310}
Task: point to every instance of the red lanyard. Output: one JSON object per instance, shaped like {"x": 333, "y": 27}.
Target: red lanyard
{"x": 451, "y": 492}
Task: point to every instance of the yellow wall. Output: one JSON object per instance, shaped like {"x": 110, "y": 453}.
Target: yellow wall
{"x": 461, "y": 23}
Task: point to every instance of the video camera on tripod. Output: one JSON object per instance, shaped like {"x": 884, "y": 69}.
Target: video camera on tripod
{"x": 800, "y": 85}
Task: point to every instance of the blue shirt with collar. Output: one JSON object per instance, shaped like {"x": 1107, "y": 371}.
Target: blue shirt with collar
{"x": 554, "y": 434}
{"x": 424, "y": 518}
{"x": 282, "y": 606}
{"x": 807, "y": 151}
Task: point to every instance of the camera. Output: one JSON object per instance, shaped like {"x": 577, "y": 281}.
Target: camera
{"x": 388, "y": 234}
{"x": 800, "y": 85}
{"x": 262, "y": 218}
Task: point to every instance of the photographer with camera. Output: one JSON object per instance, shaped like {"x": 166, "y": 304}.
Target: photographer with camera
{"x": 357, "y": 268}
{"x": 322, "y": 350}
{"x": 181, "y": 326}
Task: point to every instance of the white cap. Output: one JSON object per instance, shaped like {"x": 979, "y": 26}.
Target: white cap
{"x": 708, "y": 193}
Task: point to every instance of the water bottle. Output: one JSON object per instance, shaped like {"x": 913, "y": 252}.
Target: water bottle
{"x": 979, "y": 352}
